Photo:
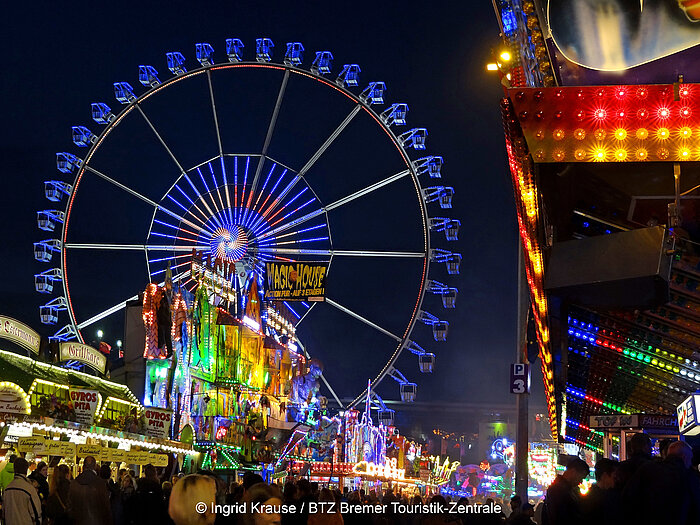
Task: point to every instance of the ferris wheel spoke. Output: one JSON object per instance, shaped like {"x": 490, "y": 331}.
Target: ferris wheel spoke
{"x": 266, "y": 145}
{"x": 313, "y": 159}
{"x": 144, "y": 198}
{"x": 343, "y": 253}
{"x": 323, "y": 377}
{"x": 106, "y": 313}
{"x": 200, "y": 199}
{"x": 214, "y": 216}
{"x": 117, "y": 307}
{"x": 364, "y": 320}
{"x": 155, "y": 131}
{"x": 367, "y": 190}
{"x": 132, "y": 247}
{"x": 330, "y": 140}
{"x": 221, "y": 149}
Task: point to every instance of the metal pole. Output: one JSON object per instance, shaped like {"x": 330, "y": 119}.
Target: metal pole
{"x": 522, "y": 400}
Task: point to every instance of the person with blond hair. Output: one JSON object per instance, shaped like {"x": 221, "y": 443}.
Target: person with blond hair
{"x": 192, "y": 499}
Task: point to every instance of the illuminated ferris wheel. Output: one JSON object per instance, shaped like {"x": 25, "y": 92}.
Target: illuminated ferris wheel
{"x": 215, "y": 159}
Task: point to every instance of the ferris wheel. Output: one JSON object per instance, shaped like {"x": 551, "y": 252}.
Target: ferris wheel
{"x": 215, "y": 159}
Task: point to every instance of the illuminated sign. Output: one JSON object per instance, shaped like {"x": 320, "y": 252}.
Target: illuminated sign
{"x": 688, "y": 416}
{"x": 20, "y": 334}
{"x": 295, "y": 281}
{"x": 442, "y": 472}
{"x": 388, "y": 470}
{"x": 84, "y": 354}
{"x": 85, "y": 403}
{"x": 158, "y": 422}
{"x": 13, "y": 400}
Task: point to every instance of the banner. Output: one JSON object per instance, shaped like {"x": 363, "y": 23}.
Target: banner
{"x": 65, "y": 449}
{"x": 85, "y": 404}
{"x": 83, "y": 353}
{"x": 36, "y": 444}
{"x": 20, "y": 334}
{"x": 13, "y": 400}
{"x": 295, "y": 281}
{"x": 117, "y": 455}
{"x": 159, "y": 460}
{"x": 89, "y": 450}
{"x": 158, "y": 422}
{"x": 137, "y": 458}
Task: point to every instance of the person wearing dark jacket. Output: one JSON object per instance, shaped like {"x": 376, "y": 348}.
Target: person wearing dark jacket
{"x": 638, "y": 454}
{"x": 562, "y": 505}
{"x": 602, "y": 503}
{"x": 148, "y": 498}
{"x": 40, "y": 478}
{"x": 665, "y": 491}
{"x": 89, "y": 497}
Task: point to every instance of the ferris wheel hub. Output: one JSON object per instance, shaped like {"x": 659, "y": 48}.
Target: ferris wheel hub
{"x": 229, "y": 242}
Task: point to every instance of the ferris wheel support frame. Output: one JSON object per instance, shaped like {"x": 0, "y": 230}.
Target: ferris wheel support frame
{"x": 360, "y": 104}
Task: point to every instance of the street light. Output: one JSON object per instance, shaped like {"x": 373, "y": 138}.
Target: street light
{"x": 119, "y": 343}
{"x": 100, "y": 333}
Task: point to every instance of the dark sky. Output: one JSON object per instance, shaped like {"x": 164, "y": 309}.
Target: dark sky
{"x": 60, "y": 57}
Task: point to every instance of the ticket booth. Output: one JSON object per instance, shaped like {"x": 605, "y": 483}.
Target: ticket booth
{"x": 618, "y": 428}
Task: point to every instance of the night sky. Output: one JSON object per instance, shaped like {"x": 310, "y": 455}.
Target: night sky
{"x": 60, "y": 57}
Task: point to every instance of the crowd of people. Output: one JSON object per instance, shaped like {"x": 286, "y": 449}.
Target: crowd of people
{"x": 639, "y": 490}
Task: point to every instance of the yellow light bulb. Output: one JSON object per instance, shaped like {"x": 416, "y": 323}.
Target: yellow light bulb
{"x": 642, "y": 133}
{"x": 506, "y": 56}
{"x": 685, "y": 132}
{"x": 599, "y": 154}
{"x": 492, "y": 67}
{"x": 579, "y": 154}
{"x": 558, "y": 134}
{"x": 620, "y": 154}
{"x": 684, "y": 153}
{"x": 580, "y": 134}
{"x": 620, "y": 134}
{"x": 641, "y": 154}
{"x": 662, "y": 133}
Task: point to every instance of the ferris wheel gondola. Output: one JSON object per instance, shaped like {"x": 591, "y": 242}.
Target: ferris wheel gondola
{"x": 249, "y": 208}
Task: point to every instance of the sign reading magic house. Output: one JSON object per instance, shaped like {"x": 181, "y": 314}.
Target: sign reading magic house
{"x": 83, "y": 354}
{"x": 301, "y": 281}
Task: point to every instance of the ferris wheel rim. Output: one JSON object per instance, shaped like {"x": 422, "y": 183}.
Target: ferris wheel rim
{"x": 288, "y": 69}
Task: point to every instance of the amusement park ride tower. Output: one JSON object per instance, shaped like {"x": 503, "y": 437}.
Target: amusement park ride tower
{"x": 601, "y": 125}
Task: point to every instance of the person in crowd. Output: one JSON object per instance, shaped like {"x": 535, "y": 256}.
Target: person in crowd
{"x": 58, "y": 502}
{"x": 516, "y": 503}
{"x": 40, "y": 478}
{"x": 21, "y": 503}
{"x": 638, "y": 453}
{"x": 665, "y": 491}
{"x": 89, "y": 497}
{"x": 266, "y": 495}
{"x": 602, "y": 503}
{"x": 124, "y": 509}
{"x": 112, "y": 489}
{"x": 187, "y": 493}
{"x": 563, "y": 501}
{"x": 524, "y": 516}
{"x": 8, "y": 473}
{"x": 149, "y": 498}
{"x": 291, "y": 497}
{"x": 327, "y": 515}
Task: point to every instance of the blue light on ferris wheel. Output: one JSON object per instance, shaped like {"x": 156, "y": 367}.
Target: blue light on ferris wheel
{"x": 229, "y": 242}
